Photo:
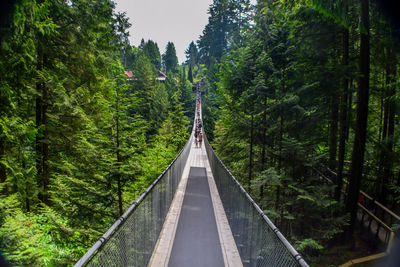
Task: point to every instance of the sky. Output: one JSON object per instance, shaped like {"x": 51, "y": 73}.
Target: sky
{"x": 177, "y": 21}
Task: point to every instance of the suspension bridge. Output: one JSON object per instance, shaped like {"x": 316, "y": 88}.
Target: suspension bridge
{"x": 194, "y": 214}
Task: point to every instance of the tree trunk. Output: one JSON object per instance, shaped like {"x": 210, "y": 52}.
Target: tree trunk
{"x": 3, "y": 172}
{"x": 387, "y": 133}
{"x": 343, "y": 114}
{"x": 27, "y": 201}
{"x": 350, "y": 107}
{"x": 251, "y": 153}
{"x": 264, "y": 141}
{"x": 382, "y": 103}
{"x": 277, "y": 199}
{"x": 45, "y": 147}
{"x": 42, "y": 137}
{"x": 280, "y": 142}
{"x": 382, "y": 152}
{"x": 279, "y": 160}
{"x": 398, "y": 178}
{"x": 39, "y": 127}
{"x": 333, "y": 132}
{"x": 361, "y": 121}
{"x": 118, "y": 157}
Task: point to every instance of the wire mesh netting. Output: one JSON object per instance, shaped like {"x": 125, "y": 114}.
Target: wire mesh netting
{"x": 259, "y": 242}
{"x": 131, "y": 240}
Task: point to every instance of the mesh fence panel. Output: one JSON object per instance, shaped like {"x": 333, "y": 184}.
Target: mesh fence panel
{"x": 259, "y": 242}
{"x": 131, "y": 240}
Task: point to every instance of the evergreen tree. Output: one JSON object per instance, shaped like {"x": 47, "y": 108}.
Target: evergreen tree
{"x": 79, "y": 142}
{"x": 144, "y": 85}
{"x": 160, "y": 106}
{"x": 356, "y": 169}
{"x": 122, "y": 36}
{"x": 192, "y": 55}
{"x": 226, "y": 19}
{"x": 190, "y": 74}
{"x": 72, "y": 129}
{"x": 170, "y": 60}
{"x": 151, "y": 51}
{"x": 290, "y": 90}
{"x": 179, "y": 121}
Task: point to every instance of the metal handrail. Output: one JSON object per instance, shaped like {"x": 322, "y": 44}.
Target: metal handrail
{"x": 374, "y": 201}
{"x": 272, "y": 226}
{"x": 103, "y": 239}
{"x": 371, "y": 257}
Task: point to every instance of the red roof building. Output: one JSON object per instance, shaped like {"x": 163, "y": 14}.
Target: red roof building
{"x": 161, "y": 76}
{"x": 129, "y": 73}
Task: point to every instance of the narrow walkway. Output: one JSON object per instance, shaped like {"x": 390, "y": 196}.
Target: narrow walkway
{"x": 196, "y": 234}
{"x": 196, "y": 240}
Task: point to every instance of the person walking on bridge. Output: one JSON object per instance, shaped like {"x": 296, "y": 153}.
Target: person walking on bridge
{"x": 196, "y": 138}
{"x": 200, "y": 137}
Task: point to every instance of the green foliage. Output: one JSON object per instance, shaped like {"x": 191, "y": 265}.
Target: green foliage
{"x": 190, "y": 74}
{"x": 227, "y": 18}
{"x": 160, "y": 106}
{"x": 35, "y": 239}
{"x": 152, "y": 52}
{"x": 144, "y": 85}
{"x": 396, "y": 192}
{"x": 192, "y": 55}
{"x": 308, "y": 246}
{"x": 78, "y": 141}
{"x": 273, "y": 99}
{"x": 169, "y": 58}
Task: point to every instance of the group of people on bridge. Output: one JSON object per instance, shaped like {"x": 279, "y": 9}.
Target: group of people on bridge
{"x": 198, "y": 134}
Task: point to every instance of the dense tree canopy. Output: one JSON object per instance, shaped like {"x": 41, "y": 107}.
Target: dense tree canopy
{"x": 227, "y": 18}
{"x": 295, "y": 93}
{"x": 292, "y": 89}
{"x": 77, "y": 138}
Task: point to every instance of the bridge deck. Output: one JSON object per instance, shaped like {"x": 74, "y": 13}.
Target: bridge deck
{"x": 196, "y": 231}
{"x": 196, "y": 242}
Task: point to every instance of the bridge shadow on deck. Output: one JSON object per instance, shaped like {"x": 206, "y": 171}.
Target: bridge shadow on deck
{"x": 196, "y": 241}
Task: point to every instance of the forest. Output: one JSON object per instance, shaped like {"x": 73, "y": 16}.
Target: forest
{"x": 290, "y": 89}
{"x": 296, "y": 88}
{"x": 79, "y": 142}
